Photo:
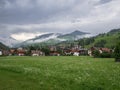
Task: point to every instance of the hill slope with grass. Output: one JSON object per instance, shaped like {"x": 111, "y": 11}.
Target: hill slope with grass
{"x": 102, "y": 40}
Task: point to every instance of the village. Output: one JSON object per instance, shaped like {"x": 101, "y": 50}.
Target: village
{"x": 75, "y": 50}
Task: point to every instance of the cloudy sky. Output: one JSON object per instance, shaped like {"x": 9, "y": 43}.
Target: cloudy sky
{"x": 24, "y": 19}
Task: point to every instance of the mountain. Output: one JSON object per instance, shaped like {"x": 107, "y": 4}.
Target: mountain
{"x": 8, "y": 41}
{"x": 3, "y": 47}
{"x": 47, "y": 36}
{"x": 114, "y": 31}
{"x": 54, "y": 38}
{"x": 74, "y": 35}
{"x": 77, "y": 32}
{"x": 108, "y": 39}
{"x": 41, "y": 38}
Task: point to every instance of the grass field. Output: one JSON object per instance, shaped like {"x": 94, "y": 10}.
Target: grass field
{"x": 59, "y": 73}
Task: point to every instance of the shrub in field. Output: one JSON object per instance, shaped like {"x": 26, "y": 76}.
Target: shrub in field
{"x": 96, "y": 53}
{"x": 117, "y": 52}
{"x": 106, "y": 55}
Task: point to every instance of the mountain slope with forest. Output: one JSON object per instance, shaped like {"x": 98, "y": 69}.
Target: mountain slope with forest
{"x": 54, "y": 38}
{"x": 108, "y": 39}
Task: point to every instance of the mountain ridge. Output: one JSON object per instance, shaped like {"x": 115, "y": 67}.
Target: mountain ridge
{"x": 8, "y": 41}
{"x": 108, "y": 39}
{"x": 3, "y": 47}
{"x": 55, "y": 37}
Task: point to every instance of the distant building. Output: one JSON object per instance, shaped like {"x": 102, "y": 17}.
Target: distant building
{"x": 5, "y": 52}
{"x": 76, "y": 53}
{"x": 0, "y": 53}
{"x": 83, "y": 51}
{"x": 53, "y": 48}
{"x": 89, "y": 52}
{"x": 21, "y": 52}
{"x": 13, "y": 51}
{"x": 54, "y": 53}
{"x": 17, "y": 52}
{"x": 67, "y": 52}
{"x": 101, "y": 50}
{"x": 76, "y": 47}
{"x": 37, "y": 53}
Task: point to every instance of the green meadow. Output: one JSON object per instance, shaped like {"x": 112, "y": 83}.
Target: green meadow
{"x": 59, "y": 73}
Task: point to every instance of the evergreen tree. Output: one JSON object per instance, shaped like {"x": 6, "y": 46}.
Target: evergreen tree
{"x": 117, "y": 52}
{"x": 96, "y": 53}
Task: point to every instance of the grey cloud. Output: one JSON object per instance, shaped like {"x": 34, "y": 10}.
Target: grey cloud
{"x": 39, "y": 11}
{"x": 17, "y": 16}
{"x": 105, "y": 1}
{"x": 2, "y": 3}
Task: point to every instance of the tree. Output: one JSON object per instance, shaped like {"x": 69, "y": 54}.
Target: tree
{"x": 81, "y": 42}
{"x": 46, "y": 51}
{"x": 31, "y": 48}
{"x": 106, "y": 55}
{"x": 89, "y": 40}
{"x": 117, "y": 52}
{"x": 60, "y": 51}
{"x": 100, "y": 43}
{"x": 71, "y": 45}
{"x": 96, "y": 53}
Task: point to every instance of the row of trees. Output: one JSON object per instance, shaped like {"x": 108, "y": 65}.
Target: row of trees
{"x": 86, "y": 41}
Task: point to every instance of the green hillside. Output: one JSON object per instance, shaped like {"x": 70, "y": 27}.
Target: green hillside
{"x": 102, "y": 40}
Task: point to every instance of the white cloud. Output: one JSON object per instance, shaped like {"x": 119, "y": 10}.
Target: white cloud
{"x": 25, "y": 36}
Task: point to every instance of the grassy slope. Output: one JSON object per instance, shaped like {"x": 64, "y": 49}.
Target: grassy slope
{"x": 63, "y": 73}
{"x": 110, "y": 39}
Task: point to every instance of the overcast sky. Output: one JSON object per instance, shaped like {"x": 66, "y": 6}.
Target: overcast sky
{"x": 24, "y": 19}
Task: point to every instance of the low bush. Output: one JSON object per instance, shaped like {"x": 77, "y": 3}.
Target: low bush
{"x": 106, "y": 55}
{"x": 96, "y": 53}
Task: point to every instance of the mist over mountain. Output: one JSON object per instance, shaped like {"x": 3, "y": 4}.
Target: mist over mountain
{"x": 55, "y": 38}
{"x": 74, "y": 35}
{"x": 3, "y": 47}
{"x": 8, "y": 41}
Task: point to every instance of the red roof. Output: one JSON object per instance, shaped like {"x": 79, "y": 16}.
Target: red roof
{"x": 105, "y": 49}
